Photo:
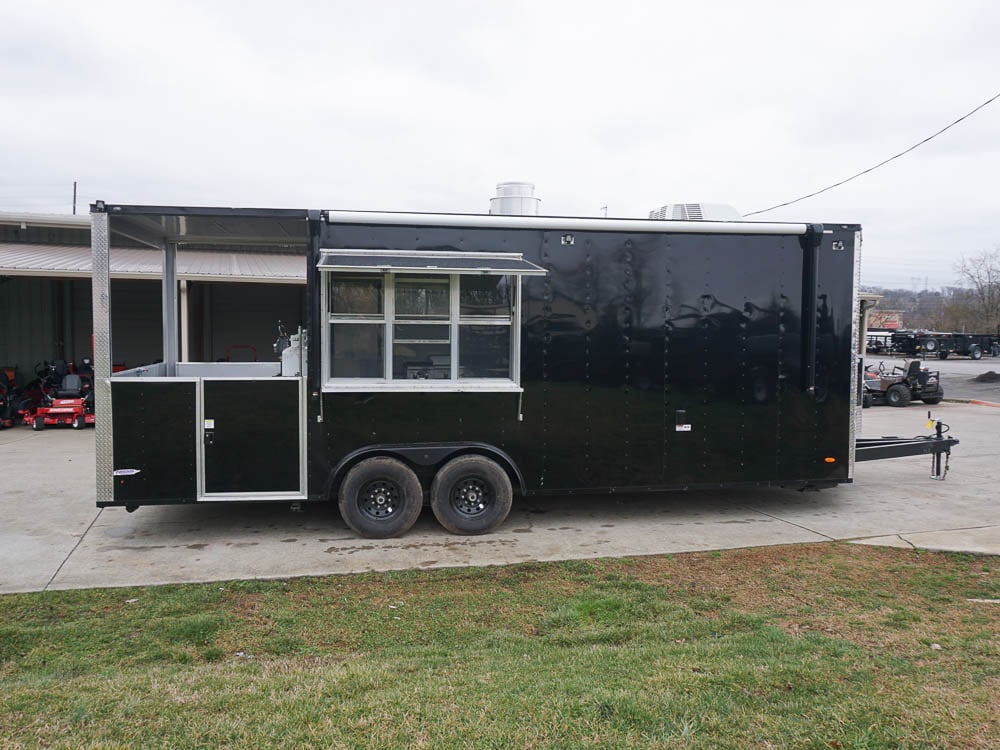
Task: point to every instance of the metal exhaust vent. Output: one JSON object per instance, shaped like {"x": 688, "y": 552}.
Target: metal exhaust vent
{"x": 695, "y": 212}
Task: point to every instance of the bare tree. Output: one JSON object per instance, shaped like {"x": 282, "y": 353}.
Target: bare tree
{"x": 982, "y": 274}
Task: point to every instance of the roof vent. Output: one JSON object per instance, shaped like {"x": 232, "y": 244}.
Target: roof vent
{"x": 515, "y": 199}
{"x": 695, "y": 212}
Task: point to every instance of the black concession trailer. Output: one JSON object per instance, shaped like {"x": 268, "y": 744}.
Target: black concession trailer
{"x": 458, "y": 359}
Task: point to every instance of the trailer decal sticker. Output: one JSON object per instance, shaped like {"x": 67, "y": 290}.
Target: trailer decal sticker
{"x": 125, "y": 472}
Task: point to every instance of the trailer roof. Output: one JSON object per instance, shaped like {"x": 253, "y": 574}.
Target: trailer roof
{"x": 286, "y": 227}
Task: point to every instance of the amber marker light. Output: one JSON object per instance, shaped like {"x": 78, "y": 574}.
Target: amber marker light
{"x": 830, "y": 460}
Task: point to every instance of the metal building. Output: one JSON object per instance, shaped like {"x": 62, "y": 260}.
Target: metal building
{"x": 227, "y": 303}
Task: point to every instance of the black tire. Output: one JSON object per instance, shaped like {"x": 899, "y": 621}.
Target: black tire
{"x": 380, "y": 498}
{"x": 38, "y": 424}
{"x": 932, "y": 401}
{"x": 866, "y": 400}
{"x": 975, "y": 352}
{"x": 471, "y": 495}
{"x": 931, "y": 345}
{"x": 942, "y": 355}
{"x": 898, "y": 395}
{"x": 79, "y": 422}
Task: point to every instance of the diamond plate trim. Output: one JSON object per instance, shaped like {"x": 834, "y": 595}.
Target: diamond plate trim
{"x": 100, "y": 245}
{"x": 855, "y": 343}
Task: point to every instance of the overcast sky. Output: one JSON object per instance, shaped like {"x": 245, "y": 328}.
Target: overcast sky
{"x": 425, "y": 106}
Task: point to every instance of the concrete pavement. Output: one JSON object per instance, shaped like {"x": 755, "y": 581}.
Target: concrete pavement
{"x": 52, "y": 536}
{"x": 958, "y": 375}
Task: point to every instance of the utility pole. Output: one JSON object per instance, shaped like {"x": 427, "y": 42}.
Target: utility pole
{"x": 74, "y": 197}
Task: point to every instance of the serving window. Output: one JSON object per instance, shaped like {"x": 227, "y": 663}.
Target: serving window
{"x": 405, "y": 331}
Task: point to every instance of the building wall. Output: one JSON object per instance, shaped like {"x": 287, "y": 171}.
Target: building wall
{"x": 27, "y": 323}
{"x": 236, "y": 315}
{"x": 42, "y": 319}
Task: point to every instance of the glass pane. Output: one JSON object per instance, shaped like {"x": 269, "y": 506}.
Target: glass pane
{"x": 484, "y": 352}
{"x": 421, "y": 361}
{"x": 355, "y": 295}
{"x": 438, "y": 334}
{"x": 485, "y": 295}
{"x": 422, "y": 298}
{"x": 357, "y": 350}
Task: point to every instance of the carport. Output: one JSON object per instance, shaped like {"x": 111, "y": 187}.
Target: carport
{"x": 226, "y": 302}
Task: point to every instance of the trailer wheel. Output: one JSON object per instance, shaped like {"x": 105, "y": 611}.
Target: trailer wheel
{"x": 932, "y": 401}
{"x": 942, "y": 355}
{"x": 38, "y": 423}
{"x": 931, "y": 345}
{"x": 975, "y": 352}
{"x": 898, "y": 395}
{"x": 471, "y": 495}
{"x": 381, "y": 497}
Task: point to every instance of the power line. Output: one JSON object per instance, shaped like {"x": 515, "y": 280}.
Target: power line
{"x": 881, "y": 163}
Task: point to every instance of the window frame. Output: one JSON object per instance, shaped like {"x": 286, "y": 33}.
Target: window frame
{"x": 455, "y": 320}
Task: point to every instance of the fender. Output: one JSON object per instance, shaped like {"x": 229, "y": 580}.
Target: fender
{"x": 424, "y": 455}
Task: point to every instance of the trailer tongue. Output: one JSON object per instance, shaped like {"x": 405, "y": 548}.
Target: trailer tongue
{"x": 936, "y": 445}
{"x": 460, "y": 359}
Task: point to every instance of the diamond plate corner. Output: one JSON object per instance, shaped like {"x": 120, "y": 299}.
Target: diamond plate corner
{"x": 100, "y": 244}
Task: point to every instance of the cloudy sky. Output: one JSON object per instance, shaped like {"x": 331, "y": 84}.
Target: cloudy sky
{"x": 425, "y": 106}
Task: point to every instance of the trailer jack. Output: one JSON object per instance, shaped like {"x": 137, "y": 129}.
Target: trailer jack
{"x": 938, "y": 471}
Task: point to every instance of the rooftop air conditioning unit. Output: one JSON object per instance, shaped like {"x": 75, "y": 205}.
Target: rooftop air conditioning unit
{"x": 696, "y": 212}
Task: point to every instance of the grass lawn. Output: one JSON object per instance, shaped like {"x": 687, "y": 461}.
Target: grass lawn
{"x": 825, "y": 646}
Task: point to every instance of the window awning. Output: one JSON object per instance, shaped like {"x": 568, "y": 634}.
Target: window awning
{"x": 416, "y": 261}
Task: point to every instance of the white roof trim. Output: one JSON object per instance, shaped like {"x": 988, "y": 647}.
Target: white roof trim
{"x": 560, "y": 223}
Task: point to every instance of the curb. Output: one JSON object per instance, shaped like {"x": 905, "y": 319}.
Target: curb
{"x": 975, "y": 401}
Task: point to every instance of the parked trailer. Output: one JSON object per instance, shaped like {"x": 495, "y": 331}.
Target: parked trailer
{"x": 941, "y": 344}
{"x": 460, "y": 358}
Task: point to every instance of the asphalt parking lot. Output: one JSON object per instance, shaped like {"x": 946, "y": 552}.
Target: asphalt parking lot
{"x": 52, "y": 535}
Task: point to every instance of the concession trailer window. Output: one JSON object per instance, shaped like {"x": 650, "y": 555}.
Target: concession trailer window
{"x": 421, "y": 321}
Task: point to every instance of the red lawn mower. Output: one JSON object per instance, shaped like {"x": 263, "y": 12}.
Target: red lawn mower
{"x": 71, "y": 403}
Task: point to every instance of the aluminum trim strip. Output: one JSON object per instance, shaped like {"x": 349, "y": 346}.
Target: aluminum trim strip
{"x": 855, "y": 426}
{"x": 420, "y": 386}
{"x": 369, "y": 252}
{"x": 100, "y": 244}
{"x": 563, "y": 223}
{"x": 250, "y": 496}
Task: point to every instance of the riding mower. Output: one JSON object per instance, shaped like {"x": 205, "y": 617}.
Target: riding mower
{"x": 71, "y": 403}
{"x": 900, "y": 386}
